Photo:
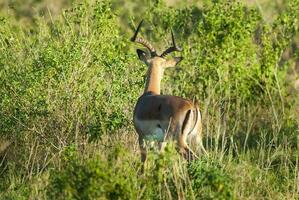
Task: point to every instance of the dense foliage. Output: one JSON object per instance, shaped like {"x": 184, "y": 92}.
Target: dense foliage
{"x": 68, "y": 87}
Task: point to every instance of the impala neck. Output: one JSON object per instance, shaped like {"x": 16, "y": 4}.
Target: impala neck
{"x": 153, "y": 79}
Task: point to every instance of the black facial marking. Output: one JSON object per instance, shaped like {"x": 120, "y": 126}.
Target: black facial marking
{"x": 158, "y": 125}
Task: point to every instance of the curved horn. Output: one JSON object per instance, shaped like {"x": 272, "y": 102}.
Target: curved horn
{"x": 142, "y": 41}
{"x": 174, "y": 47}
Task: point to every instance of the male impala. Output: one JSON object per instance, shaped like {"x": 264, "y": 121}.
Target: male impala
{"x": 161, "y": 117}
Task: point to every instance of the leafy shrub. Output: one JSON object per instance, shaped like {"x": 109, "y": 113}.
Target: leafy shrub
{"x": 161, "y": 169}
{"x": 210, "y": 181}
{"x": 64, "y": 82}
{"x": 115, "y": 175}
{"x": 94, "y": 178}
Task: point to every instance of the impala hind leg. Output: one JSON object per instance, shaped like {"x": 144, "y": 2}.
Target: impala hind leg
{"x": 185, "y": 150}
{"x": 142, "y": 148}
{"x": 198, "y": 145}
{"x": 188, "y": 154}
{"x": 143, "y": 154}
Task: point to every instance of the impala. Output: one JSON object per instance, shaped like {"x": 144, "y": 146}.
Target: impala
{"x": 162, "y": 117}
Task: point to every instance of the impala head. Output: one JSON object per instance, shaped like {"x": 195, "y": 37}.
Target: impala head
{"x": 152, "y": 58}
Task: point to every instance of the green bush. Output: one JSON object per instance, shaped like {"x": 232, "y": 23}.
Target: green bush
{"x": 64, "y": 82}
{"x": 94, "y": 178}
{"x": 210, "y": 180}
{"x": 117, "y": 175}
{"x": 161, "y": 174}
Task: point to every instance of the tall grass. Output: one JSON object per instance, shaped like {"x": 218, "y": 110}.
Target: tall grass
{"x": 68, "y": 86}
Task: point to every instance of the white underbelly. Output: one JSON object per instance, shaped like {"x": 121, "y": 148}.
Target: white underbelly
{"x": 151, "y": 130}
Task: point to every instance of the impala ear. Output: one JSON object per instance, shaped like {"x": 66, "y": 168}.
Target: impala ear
{"x": 173, "y": 62}
{"x": 142, "y": 55}
{"x": 178, "y": 60}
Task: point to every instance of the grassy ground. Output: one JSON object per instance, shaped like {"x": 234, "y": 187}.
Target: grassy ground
{"x": 69, "y": 81}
